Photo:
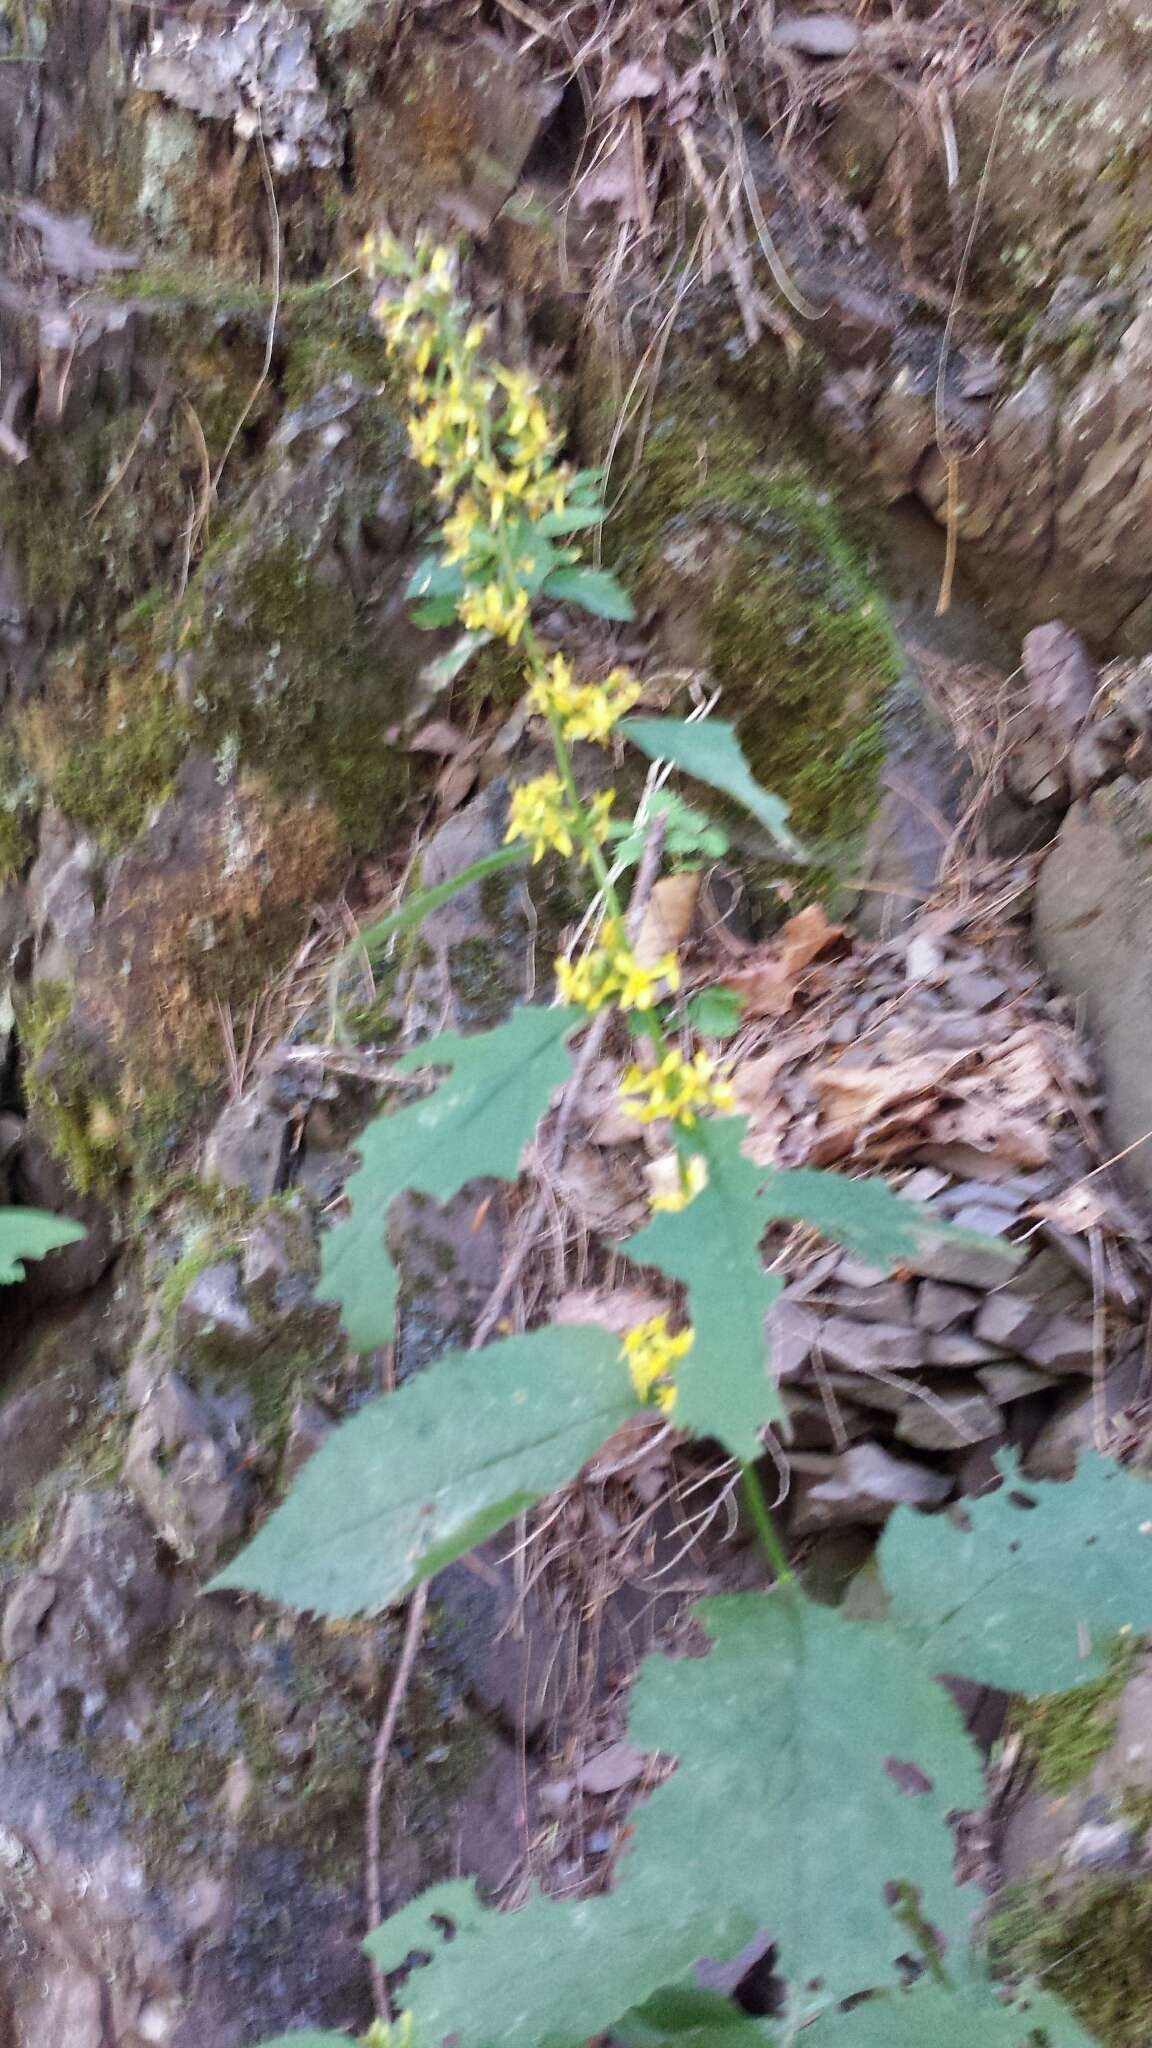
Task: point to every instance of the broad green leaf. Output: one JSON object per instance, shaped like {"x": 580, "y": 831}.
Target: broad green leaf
{"x": 684, "y": 2016}
{"x": 931, "y": 2016}
{"x": 416, "y": 908}
{"x": 715, "y": 1012}
{"x": 725, "y": 1385}
{"x": 434, "y": 578}
{"x": 787, "y": 1730}
{"x": 552, "y": 1973}
{"x": 709, "y": 751}
{"x": 573, "y": 519}
{"x": 422, "y": 1475}
{"x": 476, "y": 1123}
{"x": 1026, "y": 1597}
{"x": 310, "y": 2041}
{"x": 864, "y": 1214}
{"x": 438, "y": 674}
{"x": 29, "y": 1234}
{"x": 434, "y": 612}
{"x": 595, "y": 589}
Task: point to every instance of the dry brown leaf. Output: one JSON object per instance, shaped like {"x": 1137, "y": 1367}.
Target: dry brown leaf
{"x": 753, "y": 1081}
{"x": 985, "y": 1135}
{"x": 769, "y": 984}
{"x": 618, "y": 1309}
{"x": 667, "y": 920}
{"x": 1078, "y": 1209}
{"x": 437, "y": 737}
{"x": 615, "y": 1767}
{"x": 454, "y": 782}
{"x": 855, "y": 1097}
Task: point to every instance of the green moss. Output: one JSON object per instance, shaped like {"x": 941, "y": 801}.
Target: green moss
{"x": 296, "y": 683}
{"x": 117, "y": 757}
{"x": 1065, "y": 1734}
{"x": 1092, "y": 1945}
{"x": 80, "y": 1120}
{"x": 744, "y": 557}
{"x": 19, "y": 803}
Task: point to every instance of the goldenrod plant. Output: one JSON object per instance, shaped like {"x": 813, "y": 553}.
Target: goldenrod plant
{"x": 786, "y": 1810}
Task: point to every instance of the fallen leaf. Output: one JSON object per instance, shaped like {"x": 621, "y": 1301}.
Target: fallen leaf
{"x": 855, "y": 1097}
{"x": 618, "y": 1765}
{"x": 818, "y": 35}
{"x": 617, "y": 1308}
{"x": 1078, "y": 1209}
{"x": 979, "y": 1135}
{"x": 633, "y": 82}
{"x": 769, "y": 982}
{"x": 454, "y": 782}
{"x": 668, "y": 917}
{"x": 436, "y": 737}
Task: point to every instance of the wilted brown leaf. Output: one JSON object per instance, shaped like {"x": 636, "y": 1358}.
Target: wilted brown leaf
{"x": 668, "y": 917}
{"x": 618, "y": 1309}
{"x": 855, "y": 1097}
{"x": 769, "y": 981}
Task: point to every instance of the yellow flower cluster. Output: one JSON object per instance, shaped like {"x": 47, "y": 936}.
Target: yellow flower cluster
{"x": 677, "y": 1088}
{"x": 542, "y": 813}
{"x": 691, "y": 1180}
{"x": 611, "y": 971}
{"x": 586, "y": 711}
{"x": 484, "y": 432}
{"x": 652, "y": 1355}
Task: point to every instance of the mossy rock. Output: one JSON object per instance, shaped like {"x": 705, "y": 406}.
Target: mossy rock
{"x": 1091, "y": 1943}
{"x": 741, "y": 556}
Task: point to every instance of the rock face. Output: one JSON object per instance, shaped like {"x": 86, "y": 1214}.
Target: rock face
{"x": 1094, "y": 928}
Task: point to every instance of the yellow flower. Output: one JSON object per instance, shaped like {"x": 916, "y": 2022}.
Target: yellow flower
{"x": 611, "y": 969}
{"x": 459, "y": 528}
{"x": 540, "y": 813}
{"x": 587, "y": 711}
{"x": 677, "y": 1089}
{"x": 652, "y": 1356}
{"x": 691, "y": 1180}
{"x": 492, "y": 610}
{"x": 640, "y": 987}
{"x": 589, "y": 981}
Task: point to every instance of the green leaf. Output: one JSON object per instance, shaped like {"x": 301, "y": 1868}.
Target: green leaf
{"x": 436, "y": 611}
{"x": 787, "y": 1729}
{"x": 423, "y": 1475}
{"x": 683, "y": 2016}
{"x": 865, "y": 1215}
{"x": 574, "y": 519}
{"x": 29, "y": 1234}
{"x": 715, "y": 1012}
{"x": 552, "y": 1973}
{"x": 310, "y": 2041}
{"x": 595, "y": 589}
{"x": 416, "y": 908}
{"x": 725, "y": 1386}
{"x": 931, "y": 2016}
{"x": 476, "y": 1123}
{"x": 439, "y": 673}
{"x": 434, "y": 578}
{"x": 1026, "y": 1597}
{"x": 710, "y": 752}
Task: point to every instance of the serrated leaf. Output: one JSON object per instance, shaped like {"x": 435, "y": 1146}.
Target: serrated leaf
{"x": 552, "y": 1973}
{"x": 709, "y": 751}
{"x": 724, "y": 1386}
{"x": 476, "y": 1124}
{"x": 416, "y": 908}
{"x": 715, "y": 1012}
{"x": 31, "y": 1234}
{"x": 786, "y": 1729}
{"x": 423, "y": 1475}
{"x": 596, "y": 590}
{"x": 863, "y": 1214}
{"x": 931, "y": 2016}
{"x": 1026, "y": 1597}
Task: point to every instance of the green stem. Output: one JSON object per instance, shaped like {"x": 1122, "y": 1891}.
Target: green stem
{"x": 765, "y": 1526}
